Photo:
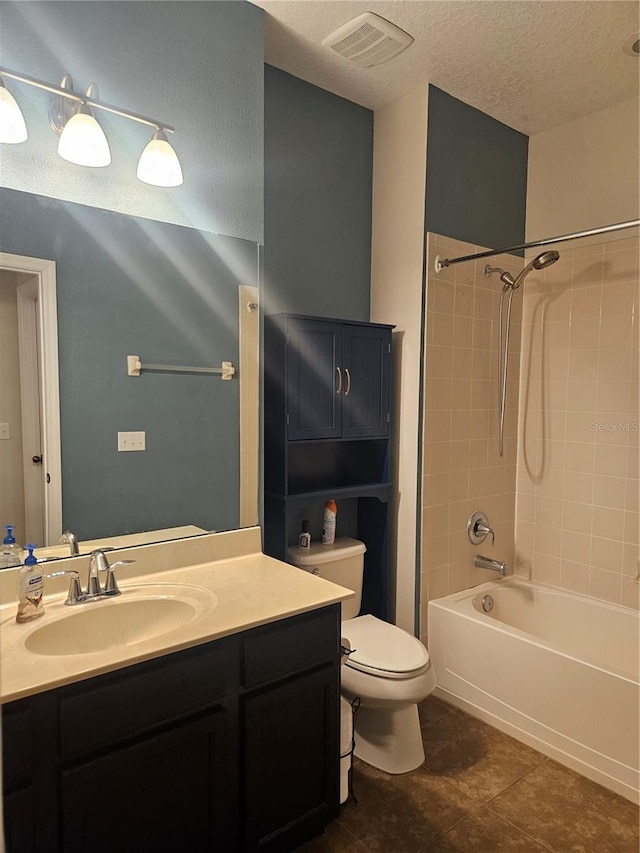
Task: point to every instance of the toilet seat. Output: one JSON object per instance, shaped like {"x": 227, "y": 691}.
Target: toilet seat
{"x": 382, "y": 649}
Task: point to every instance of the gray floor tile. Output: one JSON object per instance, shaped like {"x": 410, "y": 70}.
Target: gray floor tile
{"x": 484, "y": 832}
{"x": 431, "y": 709}
{"x": 568, "y": 813}
{"x": 401, "y": 814}
{"x": 335, "y": 839}
{"x": 478, "y": 759}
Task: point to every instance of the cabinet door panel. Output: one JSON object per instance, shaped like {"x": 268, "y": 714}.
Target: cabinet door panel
{"x": 20, "y": 814}
{"x": 365, "y": 404}
{"x": 164, "y": 794}
{"x": 313, "y": 379}
{"x": 291, "y": 761}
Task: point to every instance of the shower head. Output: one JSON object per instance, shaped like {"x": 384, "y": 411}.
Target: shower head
{"x": 545, "y": 260}
{"x": 540, "y": 262}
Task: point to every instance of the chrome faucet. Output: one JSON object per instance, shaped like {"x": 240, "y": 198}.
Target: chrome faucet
{"x": 98, "y": 563}
{"x": 481, "y": 562}
{"x": 69, "y": 537}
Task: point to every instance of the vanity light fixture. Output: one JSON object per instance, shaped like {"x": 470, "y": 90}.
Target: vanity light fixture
{"x": 12, "y": 126}
{"x": 159, "y": 163}
{"x": 82, "y": 140}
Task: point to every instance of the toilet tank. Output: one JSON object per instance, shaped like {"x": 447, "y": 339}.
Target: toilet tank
{"x": 341, "y": 563}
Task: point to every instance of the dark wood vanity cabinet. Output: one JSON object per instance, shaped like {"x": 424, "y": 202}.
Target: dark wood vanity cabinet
{"x": 229, "y": 746}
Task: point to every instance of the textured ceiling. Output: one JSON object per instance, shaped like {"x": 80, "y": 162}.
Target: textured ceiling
{"x": 532, "y": 64}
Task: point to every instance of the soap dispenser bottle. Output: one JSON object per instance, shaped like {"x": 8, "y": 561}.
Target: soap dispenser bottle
{"x": 30, "y": 589}
{"x": 11, "y": 552}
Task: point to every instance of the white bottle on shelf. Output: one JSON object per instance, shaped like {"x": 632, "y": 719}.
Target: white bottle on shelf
{"x": 329, "y": 523}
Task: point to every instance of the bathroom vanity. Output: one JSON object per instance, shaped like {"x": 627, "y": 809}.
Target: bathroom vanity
{"x": 228, "y": 742}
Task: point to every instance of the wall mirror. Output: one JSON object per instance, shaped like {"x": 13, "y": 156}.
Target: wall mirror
{"x": 173, "y": 296}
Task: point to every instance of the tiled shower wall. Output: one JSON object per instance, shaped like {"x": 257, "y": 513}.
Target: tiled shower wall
{"x": 577, "y": 485}
{"x": 462, "y": 470}
{"x": 571, "y": 426}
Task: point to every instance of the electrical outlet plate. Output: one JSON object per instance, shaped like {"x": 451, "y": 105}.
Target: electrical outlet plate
{"x": 131, "y": 440}
{"x": 5, "y": 431}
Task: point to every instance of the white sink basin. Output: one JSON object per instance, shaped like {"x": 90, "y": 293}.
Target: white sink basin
{"x": 139, "y": 614}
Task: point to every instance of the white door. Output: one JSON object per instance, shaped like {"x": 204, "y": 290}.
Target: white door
{"x": 31, "y": 456}
{"x": 30, "y": 397}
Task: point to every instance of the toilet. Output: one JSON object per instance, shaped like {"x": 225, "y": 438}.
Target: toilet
{"x": 388, "y": 669}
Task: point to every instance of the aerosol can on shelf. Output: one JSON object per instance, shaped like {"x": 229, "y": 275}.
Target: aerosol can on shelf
{"x": 329, "y": 523}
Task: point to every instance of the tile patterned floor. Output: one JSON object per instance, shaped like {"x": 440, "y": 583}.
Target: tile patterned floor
{"x": 479, "y": 791}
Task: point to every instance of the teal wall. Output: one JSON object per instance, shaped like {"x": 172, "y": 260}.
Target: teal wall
{"x": 196, "y": 65}
{"x": 476, "y": 175}
{"x": 318, "y": 179}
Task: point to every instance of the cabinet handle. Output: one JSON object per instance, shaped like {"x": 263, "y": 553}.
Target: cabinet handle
{"x": 339, "y": 389}
{"x": 346, "y": 393}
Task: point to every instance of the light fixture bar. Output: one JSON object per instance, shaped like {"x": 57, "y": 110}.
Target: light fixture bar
{"x": 83, "y": 99}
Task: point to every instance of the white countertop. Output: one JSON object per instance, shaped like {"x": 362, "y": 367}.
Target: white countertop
{"x": 249, "y": 589}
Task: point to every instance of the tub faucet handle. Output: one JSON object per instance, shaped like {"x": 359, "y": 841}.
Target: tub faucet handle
{"x": 478, "y": 528}
{"x": 483, "y": 530}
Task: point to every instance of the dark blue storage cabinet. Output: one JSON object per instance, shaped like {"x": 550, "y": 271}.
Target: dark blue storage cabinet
{"x": 327, "y": 416}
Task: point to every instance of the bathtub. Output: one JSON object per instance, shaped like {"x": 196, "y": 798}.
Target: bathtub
{"x": 556, "y": 670}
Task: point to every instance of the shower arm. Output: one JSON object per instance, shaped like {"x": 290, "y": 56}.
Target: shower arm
{"x": 440, "y": 264}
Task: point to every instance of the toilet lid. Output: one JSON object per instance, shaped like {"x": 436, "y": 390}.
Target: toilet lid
{"x": 383, "y": 648}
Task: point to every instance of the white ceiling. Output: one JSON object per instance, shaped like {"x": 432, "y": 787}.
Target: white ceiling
{"x": 532, "y": 64}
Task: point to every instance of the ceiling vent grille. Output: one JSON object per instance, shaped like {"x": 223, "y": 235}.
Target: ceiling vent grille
{"x": 368, "y": 40}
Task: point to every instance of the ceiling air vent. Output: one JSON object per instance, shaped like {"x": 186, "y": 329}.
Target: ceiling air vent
{"x": 368, "y": 40}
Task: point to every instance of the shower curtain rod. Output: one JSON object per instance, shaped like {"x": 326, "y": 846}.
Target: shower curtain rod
{"x": 619, "y": 226}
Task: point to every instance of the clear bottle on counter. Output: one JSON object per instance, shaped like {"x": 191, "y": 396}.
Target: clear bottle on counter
{"x": 30, "y": 589}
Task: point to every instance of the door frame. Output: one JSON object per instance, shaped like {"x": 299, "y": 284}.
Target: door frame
{"x": 47, "y": 317}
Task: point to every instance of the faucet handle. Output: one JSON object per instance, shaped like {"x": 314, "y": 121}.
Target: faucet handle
{"x": 478, "y": 528}
{"x": 75, "y": 592}
{"x": 483, "y": 530}
{"x": 111, "y": 585}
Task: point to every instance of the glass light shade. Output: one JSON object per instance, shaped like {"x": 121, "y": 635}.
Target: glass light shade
{"x": 159, "y": 164}
{"x": 12, "y": 126}
{"x": 83, "y": 141}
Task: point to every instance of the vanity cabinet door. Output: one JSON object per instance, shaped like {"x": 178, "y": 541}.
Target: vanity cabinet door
{"x": 19, "y": 809}
{"x": 291, "y": 761}
{"x": 168, "y": 793}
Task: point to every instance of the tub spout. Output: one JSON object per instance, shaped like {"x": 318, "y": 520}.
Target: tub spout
{"x": 487, "y": 563}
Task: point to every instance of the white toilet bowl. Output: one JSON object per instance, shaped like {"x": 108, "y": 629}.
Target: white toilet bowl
{"x": 388, "y": 669}
{"x": 390, "y": 672}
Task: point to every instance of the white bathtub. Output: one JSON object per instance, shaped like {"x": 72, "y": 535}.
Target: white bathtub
{"x": 556, "y": 670}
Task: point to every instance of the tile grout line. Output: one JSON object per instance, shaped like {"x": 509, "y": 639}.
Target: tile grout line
{"x": 520, "y": 830}
{"x": 506, "y": 820}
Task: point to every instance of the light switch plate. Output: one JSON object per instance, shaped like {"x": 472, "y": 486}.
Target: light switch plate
{"x": 131, "y": 440}
{"x": 5, "y": 431}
